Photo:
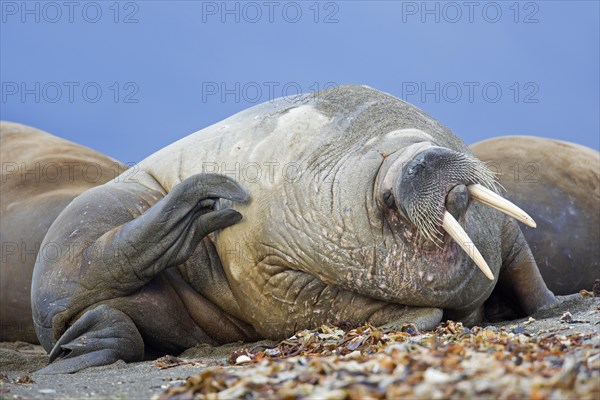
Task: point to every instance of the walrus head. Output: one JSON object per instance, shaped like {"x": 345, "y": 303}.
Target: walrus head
{"x": 431, "y": 186}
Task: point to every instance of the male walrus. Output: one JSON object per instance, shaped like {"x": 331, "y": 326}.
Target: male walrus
{"x": 558, "y": 183}
{"x": 41, "y": 174}
{"x": 356, "y": 207}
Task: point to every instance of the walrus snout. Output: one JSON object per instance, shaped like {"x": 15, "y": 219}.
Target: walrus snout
{"x": 434, "y": 181}
{"x": 432, "y": 187}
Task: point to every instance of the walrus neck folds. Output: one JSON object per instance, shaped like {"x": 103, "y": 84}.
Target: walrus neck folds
{"x": 416, "y": 183}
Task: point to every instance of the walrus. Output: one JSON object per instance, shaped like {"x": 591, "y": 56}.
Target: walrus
{"x": 558, "y": 183}
{"x": 343, "y": 205}
{"x": 41, "y": 174}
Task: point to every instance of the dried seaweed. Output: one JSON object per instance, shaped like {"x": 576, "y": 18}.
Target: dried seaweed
{"x": 366, "y": 362}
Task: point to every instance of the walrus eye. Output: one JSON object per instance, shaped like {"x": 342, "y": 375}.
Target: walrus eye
{"x": 388, "y": 199}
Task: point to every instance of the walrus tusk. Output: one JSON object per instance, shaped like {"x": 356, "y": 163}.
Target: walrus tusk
{"x": 489, "y": 198}
{"x": 453, "y": 228}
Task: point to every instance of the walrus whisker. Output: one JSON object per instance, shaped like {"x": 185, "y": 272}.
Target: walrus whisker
{"x": 453, "y": 228}
{"x": 493, "y": 200}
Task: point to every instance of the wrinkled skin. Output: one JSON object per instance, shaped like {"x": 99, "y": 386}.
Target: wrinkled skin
{"x": 41, "y": 175}
{"x": 301, "y": 231}
{"x": 558, "y": 183}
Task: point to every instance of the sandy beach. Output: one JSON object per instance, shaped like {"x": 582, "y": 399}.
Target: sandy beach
{"x": 575, "y": 324}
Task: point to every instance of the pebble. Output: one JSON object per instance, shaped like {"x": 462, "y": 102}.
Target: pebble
{"x": 566, "y": 317}
{"x": 433, "y": 376}
{"x": 243, "y": 359}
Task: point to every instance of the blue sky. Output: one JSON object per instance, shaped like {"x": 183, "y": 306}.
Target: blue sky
{"x": 128, "y": 78}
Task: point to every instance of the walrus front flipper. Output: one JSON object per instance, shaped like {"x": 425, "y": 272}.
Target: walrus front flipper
{"x": 521, "y": 290}
{"x": 422, "y": 318}
{"x": 168, "y": 233}
{"x": 101, "y": 336}
{"x": 120, "y": 237}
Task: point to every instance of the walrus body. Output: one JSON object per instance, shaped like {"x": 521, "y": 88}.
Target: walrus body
{"x": 558, "y": 183}
{"x": 342, "y": 194}
{"x": 41, "y": 175}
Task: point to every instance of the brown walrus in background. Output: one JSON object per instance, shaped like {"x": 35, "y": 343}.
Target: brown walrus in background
{"x": 558, "y": 183}
{"x": 41, "y": 175}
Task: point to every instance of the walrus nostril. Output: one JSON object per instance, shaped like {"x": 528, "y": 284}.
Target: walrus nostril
{"x": 457, "y": 201}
